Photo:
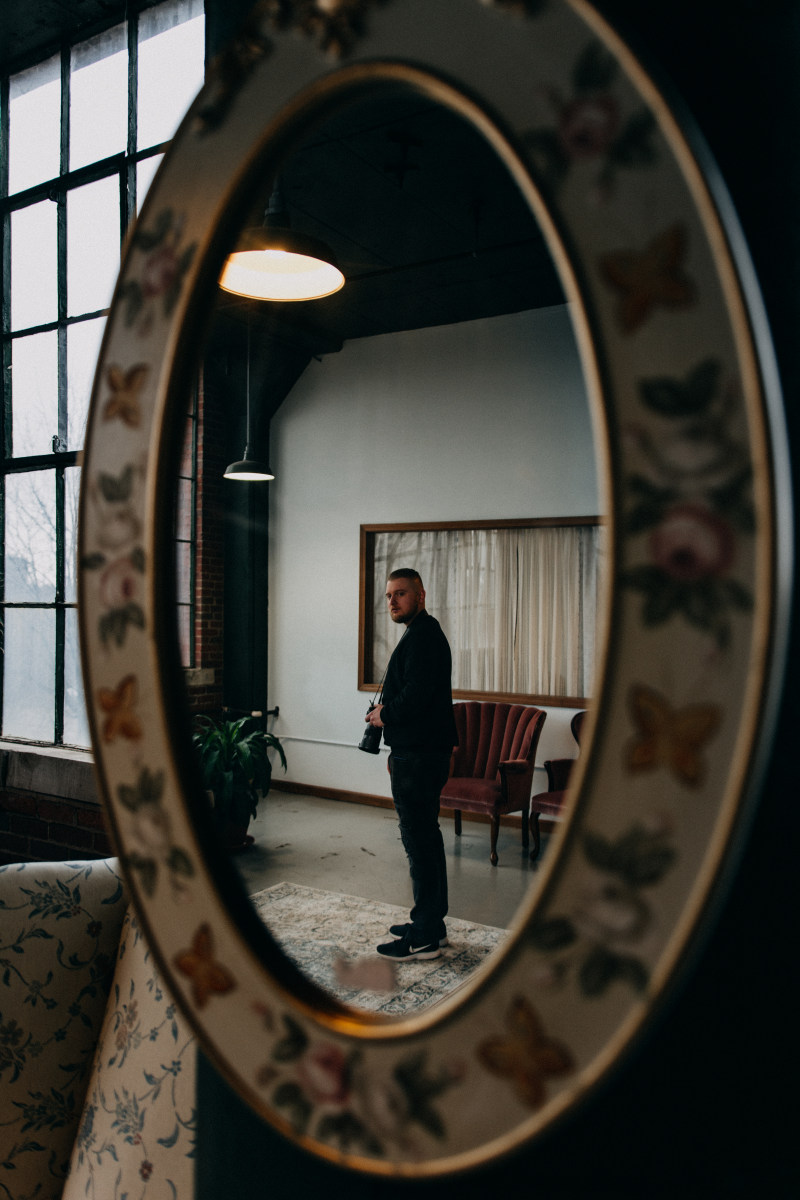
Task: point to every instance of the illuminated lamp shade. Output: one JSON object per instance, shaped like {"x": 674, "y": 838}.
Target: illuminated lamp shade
{"x": 280, "y": 264}
{"x": 248, "y": 469}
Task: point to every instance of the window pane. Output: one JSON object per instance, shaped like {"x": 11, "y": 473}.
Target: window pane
{"x": 31, "y": 537}
{"x": 183, "y": 513}
{"x": 34, "y": 393}
{"x": 171, "y": 58}
{"x": 145, "y": 170}
{"x": 519, "y": 606}
{"x": 83, "y": 348}
{"x": 28, "y": 677}
{"x": 33, "y": 265}
{"x": 185, "y": 635}
{"x": 34, "y": 125}
{"x": 72, "y": 484}
{"x": 98, "y": 108}
{"x": 183, "y": 566}
{"x": 76, "y": 725}
{"x": 93, "y": 235}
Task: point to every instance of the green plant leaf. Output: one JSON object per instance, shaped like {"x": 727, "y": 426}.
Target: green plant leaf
{"x": 633, "y": 971}
{"x": 116, "y": 490}
{"x": 555, "y": 933}
{"x": 293, "y": 1044}
{"x": 664, "y": 598}
{"x": 733, "y": 499}
{"x": 703, "y": 382}
{"x": 736, "y": 595}
{"x": 290, "y": 1097}
{"x": 551, "y": 158}
{"x": 147, "y": 869}
{"x": 634, "y": 146}
{"x": 599, "y": 852}
{"x": 346, "y": 1131}
{"x": 234, "y": 759}
{"x": 148, "y": 239}
{"x": 180, "y": 862}
{"x": 597, "y": 971}
{"x": 133, "y": 298}
{"x": 595, "y": 69}
{"x": 92, "y": 562}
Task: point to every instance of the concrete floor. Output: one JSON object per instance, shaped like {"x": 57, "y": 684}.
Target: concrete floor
{"x": 356, "y": 849}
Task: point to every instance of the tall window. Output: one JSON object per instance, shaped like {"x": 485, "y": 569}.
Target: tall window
{"x": 80, "y": 139}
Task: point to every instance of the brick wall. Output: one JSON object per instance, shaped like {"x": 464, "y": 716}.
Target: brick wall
{"x": 205, "y": 682}
{"x": 36, "y": 828}
{"x": 49, "y": 809}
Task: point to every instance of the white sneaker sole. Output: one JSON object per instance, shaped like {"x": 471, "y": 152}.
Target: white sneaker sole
{"x": 445, "y": 941}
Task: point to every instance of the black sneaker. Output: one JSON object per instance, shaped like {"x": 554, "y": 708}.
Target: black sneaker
{"x": 401, "y": 931}
{"x": 404, "y": 950}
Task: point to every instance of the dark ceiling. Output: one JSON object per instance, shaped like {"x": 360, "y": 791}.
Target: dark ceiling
{"x": 425, "y": 221}
{"x": 423, "y": 217}
{"x": 32, "y": 30}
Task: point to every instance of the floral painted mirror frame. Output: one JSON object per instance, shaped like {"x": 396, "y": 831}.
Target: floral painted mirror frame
{"x": 681, "y": 377}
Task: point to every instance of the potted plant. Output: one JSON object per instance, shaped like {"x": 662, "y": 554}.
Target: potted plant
{"x": 236, "y": 769}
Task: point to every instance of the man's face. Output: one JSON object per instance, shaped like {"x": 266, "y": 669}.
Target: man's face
{"x": 405, "y": 598}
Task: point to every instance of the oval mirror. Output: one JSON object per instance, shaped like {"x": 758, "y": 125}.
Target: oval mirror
{"x": 665, "y": 326}
{"x": 451, "y": 330}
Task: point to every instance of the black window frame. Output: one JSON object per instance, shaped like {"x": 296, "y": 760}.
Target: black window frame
{"x": 124, "y": 166}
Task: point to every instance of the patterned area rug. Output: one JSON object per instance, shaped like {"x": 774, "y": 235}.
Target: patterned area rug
{"x": 332, "y": 938}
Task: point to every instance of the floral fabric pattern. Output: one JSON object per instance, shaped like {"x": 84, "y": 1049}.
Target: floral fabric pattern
{"x": 59, "y": 931}
{"x": 322, "y": 1090}
{"x": 136, "y": 1134}
{"x": 596, "y": 942}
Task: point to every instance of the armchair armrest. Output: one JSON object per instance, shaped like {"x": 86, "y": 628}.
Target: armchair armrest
{"x": 515, "y": 783}
{"x": 514, "y": 766}
{"x": 558, "y": 772}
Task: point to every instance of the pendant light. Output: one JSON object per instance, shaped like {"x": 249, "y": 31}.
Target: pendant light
{"x": 248, "y": 469}
{"x": 276, "y": 263}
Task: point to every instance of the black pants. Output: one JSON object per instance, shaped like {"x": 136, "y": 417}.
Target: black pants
{"x": 417, "y": 782}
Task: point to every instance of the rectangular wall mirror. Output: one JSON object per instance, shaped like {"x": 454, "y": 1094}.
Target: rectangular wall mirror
{"x": 518, "y": 600}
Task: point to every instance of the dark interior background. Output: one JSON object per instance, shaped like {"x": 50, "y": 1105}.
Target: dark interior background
{"x": 703, "y": 1106}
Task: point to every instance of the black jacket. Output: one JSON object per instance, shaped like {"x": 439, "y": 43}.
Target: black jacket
{"x": 417, "y": 693}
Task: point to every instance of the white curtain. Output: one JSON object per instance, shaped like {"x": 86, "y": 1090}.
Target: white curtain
{"x": 519, "y": 606}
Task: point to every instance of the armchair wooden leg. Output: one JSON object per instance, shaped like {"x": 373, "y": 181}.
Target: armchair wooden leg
{"x": 495, "y": 831}
{"x": 536, "y": 835}
{"x": 525, "y": 828}
{"x": 457, "y": 821}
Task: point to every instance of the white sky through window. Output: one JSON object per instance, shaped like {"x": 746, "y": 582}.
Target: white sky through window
{"x": 65, "y": 238}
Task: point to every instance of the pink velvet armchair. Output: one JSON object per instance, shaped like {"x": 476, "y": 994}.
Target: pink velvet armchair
{"x": 493, "y": 763}
{"x": 551, "y": 802}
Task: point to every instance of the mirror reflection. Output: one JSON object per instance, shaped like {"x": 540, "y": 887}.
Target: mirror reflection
{"x": 441, "y": 382}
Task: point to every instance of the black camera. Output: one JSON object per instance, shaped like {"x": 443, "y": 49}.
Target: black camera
{"x": 371, "y": 741}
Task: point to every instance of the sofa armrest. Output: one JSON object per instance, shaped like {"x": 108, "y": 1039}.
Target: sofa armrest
{"x": 146, "y": 1055}
{"x": 59, "y": 931}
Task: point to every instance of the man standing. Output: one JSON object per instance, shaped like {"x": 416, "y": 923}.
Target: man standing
{"x": 416, "y": 716}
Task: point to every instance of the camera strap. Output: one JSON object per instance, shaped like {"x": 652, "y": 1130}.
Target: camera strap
{"x": 379, "y": 690}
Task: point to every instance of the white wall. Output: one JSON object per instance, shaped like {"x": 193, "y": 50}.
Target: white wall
{"x": 482, "y": 419}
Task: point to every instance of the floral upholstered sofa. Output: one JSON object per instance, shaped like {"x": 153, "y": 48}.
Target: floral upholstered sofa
{"x": 97, "y": 1068}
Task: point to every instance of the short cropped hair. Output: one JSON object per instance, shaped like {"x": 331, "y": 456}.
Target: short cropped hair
{"x": 407, "y": 573}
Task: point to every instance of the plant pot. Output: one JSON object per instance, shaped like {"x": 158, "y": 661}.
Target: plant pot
{"x": 233, "y": 824}
{"x": 235, "y": 838}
